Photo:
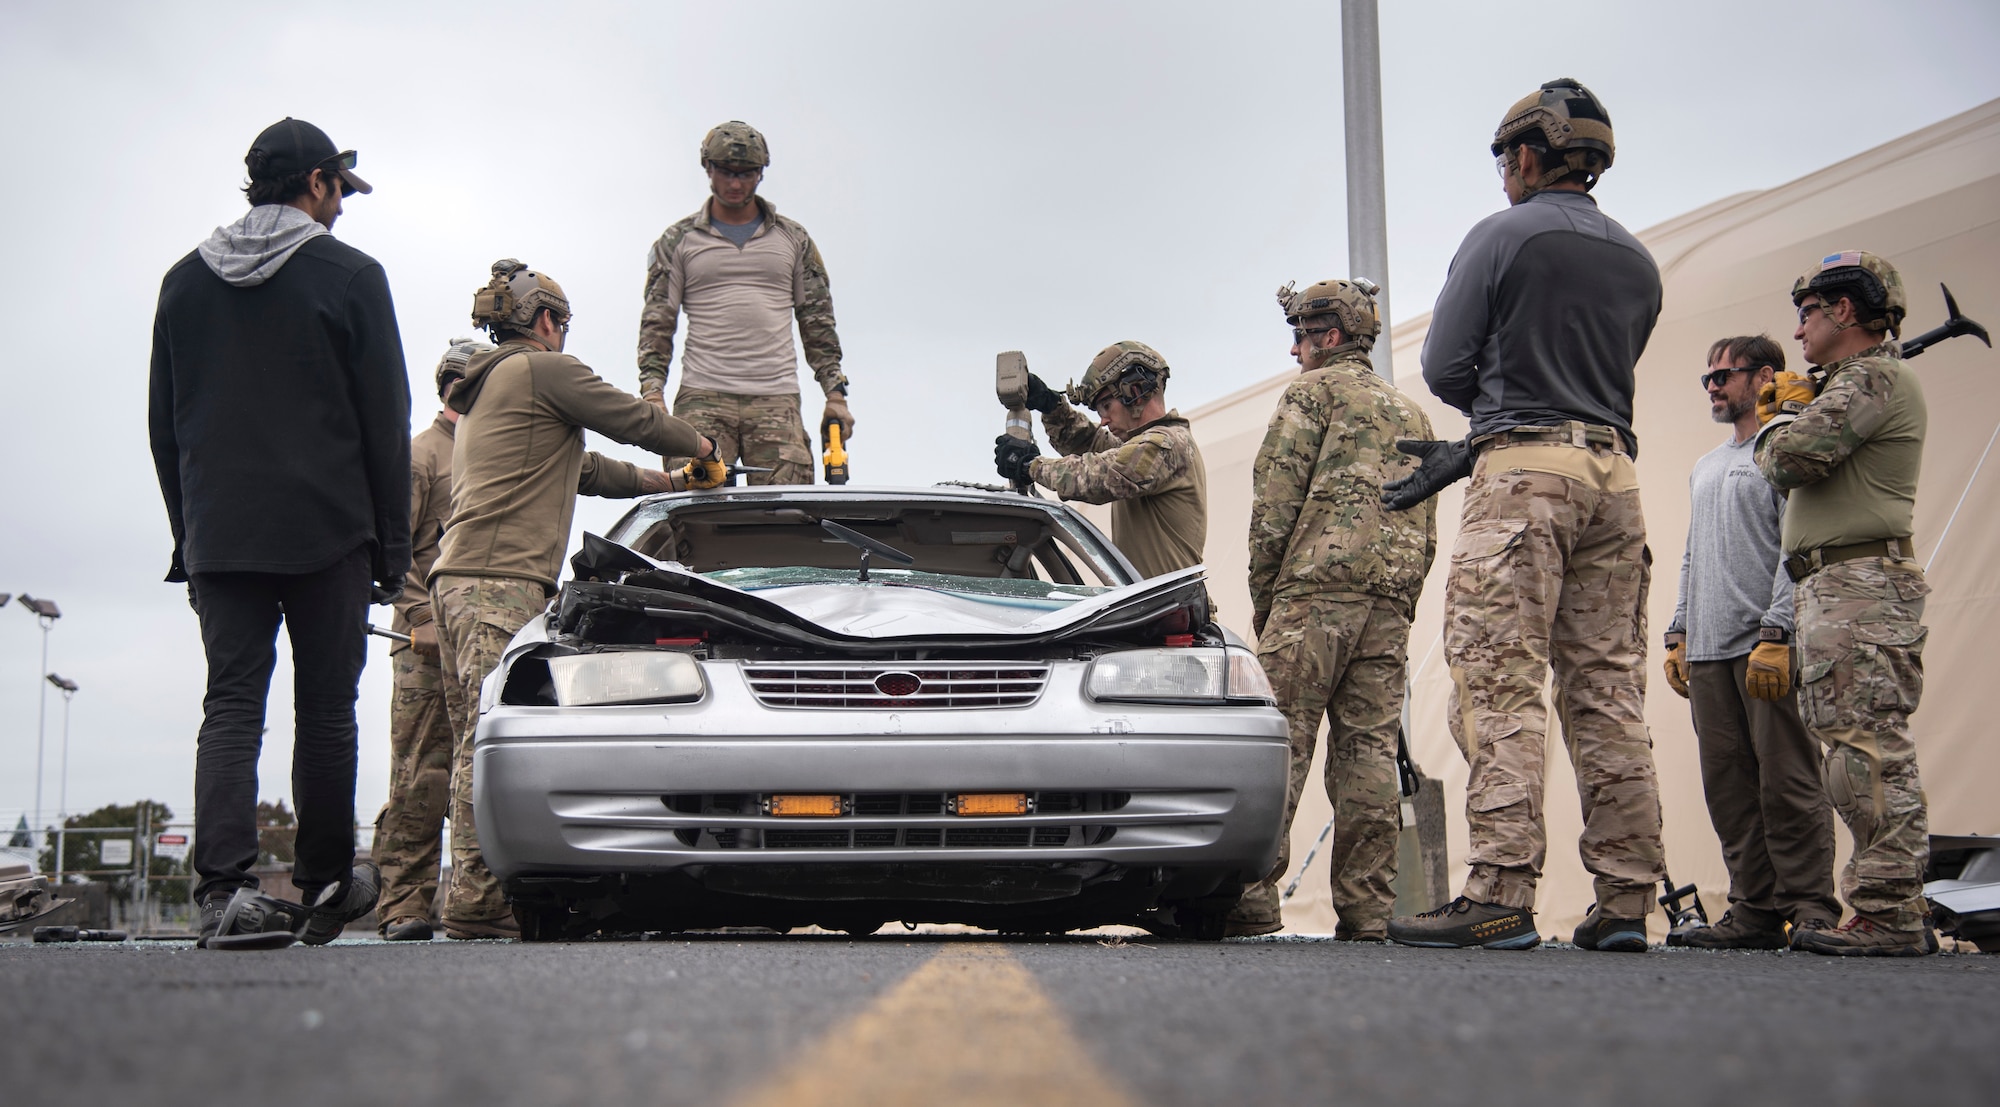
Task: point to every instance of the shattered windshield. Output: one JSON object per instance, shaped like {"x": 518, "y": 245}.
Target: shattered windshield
{"x": 1022, "y": 591}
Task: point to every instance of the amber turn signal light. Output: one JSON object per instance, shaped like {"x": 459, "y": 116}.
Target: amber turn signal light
{"x": 805, "y": 807}
{"x": 992, "y": 803}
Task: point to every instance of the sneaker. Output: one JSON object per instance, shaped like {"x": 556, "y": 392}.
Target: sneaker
{"x": 1605, "y": 934}
{"x": 407, "y": 930}
{"x": 467, "y": 930}
{"x": 342, "y": 903}
{"x": 1732, "y": 932}
{"x": 1463, "y": 922}
{"x": 1860, "y": 937}
{"x": 248, "y": 919}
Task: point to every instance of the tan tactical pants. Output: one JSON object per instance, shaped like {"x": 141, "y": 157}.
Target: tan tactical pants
{"x": 477, "y": 617}
{"x": 410, "y": 829}
{"x": 753, "y": 430}
{"x": 1861, "y": 675}
{"x": 1341, "y": 657}
{"x": 1551, "y": 570}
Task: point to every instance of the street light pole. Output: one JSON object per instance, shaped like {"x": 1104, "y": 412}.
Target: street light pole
{"x": 47, "y": 613}
{"x": 62, "y": 794}
{"x": 1367, "y": 207}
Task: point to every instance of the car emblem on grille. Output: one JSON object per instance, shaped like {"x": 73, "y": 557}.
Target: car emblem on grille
{"x": 898, "y": 685}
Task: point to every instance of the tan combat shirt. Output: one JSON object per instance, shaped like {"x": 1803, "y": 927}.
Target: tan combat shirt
{"x": 518, "y": 461}
{"x": 430, "y": 505}
{"x": 739, "y": 301}
{"x": 1317, "y": 521}
{"x": 1848, "y": 464}
{"x": 1154, "y": 481}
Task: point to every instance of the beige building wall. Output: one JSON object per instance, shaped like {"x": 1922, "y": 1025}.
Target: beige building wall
{"x": 1930, "y": 202}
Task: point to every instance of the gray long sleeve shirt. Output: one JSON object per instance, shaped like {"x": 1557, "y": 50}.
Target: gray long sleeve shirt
{"x": 1732, "y": 574}
{"x": 1544, "y": 313}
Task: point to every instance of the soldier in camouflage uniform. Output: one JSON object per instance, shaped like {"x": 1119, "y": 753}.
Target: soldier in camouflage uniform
{"x": 1536, "y": 334}
{"x": 1847, "y": 455}
{"x": 409, "y": 829}
{"x": 1334, "y": 579}
{"x": 742, "y": 272}
{"x": 518, "y": 463}
{"x": 1142, "y": 460}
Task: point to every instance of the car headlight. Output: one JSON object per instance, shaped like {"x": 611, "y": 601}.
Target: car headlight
{"x": 636, "y": 676}
{"x": 1179, "y": 676}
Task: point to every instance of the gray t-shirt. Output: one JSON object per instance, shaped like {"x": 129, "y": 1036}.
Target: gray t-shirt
{"x": 1732, "y": 576}
{"x": 739, "y": 233}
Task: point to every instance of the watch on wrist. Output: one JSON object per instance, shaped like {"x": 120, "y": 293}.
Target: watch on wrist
{"x": 1774, "y": 634}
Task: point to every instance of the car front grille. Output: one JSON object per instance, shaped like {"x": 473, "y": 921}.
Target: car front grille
{"x": 897, "y": 687}
{"x": 897, "y": 820}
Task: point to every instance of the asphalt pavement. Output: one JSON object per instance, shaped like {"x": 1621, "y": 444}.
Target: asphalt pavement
{"x": 750, "y": 1019}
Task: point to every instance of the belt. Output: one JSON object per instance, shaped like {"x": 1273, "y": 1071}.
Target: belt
{"x": 1580, "y": 435}
{"x": 1801, "y": 566}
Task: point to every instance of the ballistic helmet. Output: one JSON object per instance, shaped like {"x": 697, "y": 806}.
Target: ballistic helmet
{"x": 1350, "y": 303}
{"x": 1872, "y": 283}
{"x": 510, "y": 300}
{"x": 735, "y": 143}
{"x": 456, "y": 357}
{"x": 1134, "y": 369}
{"x": 1574, "y": 127}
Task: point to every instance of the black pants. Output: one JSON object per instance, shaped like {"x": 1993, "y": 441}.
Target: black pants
{"x": 323, "y": 613}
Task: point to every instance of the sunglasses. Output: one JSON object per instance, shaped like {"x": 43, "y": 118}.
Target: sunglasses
{"x": 1807, "y": 309}
{"x": 1718, "y": 377}
{"x": 338, "y": 162}
{"x": 735, "y": 174}
{"x": 1299, "y": 333}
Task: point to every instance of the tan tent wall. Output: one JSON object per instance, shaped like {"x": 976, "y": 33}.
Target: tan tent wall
{"x": 1930, "y": 202}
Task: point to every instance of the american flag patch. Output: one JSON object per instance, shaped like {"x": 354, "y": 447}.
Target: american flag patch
{"x": 1840, "y": 260}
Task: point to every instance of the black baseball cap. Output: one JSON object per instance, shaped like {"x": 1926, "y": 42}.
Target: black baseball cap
{"x": 296, "y": 146}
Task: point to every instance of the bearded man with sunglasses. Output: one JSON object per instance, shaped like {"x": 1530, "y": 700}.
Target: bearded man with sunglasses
{"x": 1142, "y": 460}
{"x": 742, "y": 273}
{"x": 1729, "y": 654}
{"x": 299, "y": 520}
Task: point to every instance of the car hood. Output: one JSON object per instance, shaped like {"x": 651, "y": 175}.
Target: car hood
{"x": 616, "y": 586}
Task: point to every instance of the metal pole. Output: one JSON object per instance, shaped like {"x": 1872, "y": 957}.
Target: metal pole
{"x": 1367, "y": 208}
{"x": 41, "y": 715}
{"x": 62, "y": 794}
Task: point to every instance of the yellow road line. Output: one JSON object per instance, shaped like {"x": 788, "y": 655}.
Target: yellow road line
{"x": 970, "y": 1027}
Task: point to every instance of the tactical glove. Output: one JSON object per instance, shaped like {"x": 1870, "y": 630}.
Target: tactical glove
{"x": 1041, "y": 397}
{"x": 424, "y": 639}
{"x": 706, "y": 471}
{"x": 836, "y": 412}
{"x": 1011, "y": 456}
{"x": 1788, "y": 394}
{"x": 382, "y": 595}
{"x": 1677, "y": 668}
{"x": 1770, "y": 675}
{"x": 1442, "y": 464}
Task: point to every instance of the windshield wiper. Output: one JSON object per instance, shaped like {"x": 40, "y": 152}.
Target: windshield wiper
{"x": 867, "y": 546}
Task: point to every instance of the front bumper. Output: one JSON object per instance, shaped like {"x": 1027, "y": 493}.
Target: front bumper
{"x": 593, "y": 791}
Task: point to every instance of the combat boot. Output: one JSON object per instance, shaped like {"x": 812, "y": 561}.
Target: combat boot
{"x": 1608, "y": 935}
{"x": 1861, "y": 937}
{"x": 336, "y": 905}
{"x": 407, "y": 930}
{"x": 1732, "y": 931}
{"x": 1464, "y": 922}
{"x": 468, "y": 930}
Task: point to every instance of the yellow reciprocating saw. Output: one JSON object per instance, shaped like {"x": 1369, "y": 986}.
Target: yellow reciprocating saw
{"x": 833, "y": 461}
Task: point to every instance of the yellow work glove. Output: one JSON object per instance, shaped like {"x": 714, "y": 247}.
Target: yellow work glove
{"x": 1770, "y": 675}
{"x": 1788, "y": 394}
{"x": 836, "y": 412}
{"x": 706, "y": 471}
{"x": 1677, "y": 667}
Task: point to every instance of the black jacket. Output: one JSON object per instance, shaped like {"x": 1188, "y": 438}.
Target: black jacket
{"x": 280, "y": 417}
{"x": 1542, "y": 318}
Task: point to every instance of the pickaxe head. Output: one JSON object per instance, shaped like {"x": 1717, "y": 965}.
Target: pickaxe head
{"x": 1954, "y": 326}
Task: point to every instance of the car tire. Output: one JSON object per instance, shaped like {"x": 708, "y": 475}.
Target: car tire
{"x": 543, "y": 921}
{"x": 1201, "y": 925}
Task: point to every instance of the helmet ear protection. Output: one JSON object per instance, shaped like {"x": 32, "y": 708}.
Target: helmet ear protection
{"x": 1136, "y": 387}
{"x": 1130, "y": 371}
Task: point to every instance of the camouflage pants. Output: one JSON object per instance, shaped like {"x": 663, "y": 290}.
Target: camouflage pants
{"x": 1551, "y": 570}
{"x": 753, "y": 430}
{"x": 1861, "y": 673}
{"x": 1341, "y": 657}
{"x": 411, "y": 826}
{"x": 477, "y": 617}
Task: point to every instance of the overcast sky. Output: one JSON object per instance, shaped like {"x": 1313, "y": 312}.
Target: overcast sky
{"x": 1049, "y": 177}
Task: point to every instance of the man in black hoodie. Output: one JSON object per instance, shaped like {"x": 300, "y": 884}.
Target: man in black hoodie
{"x": 298, "y": 518}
